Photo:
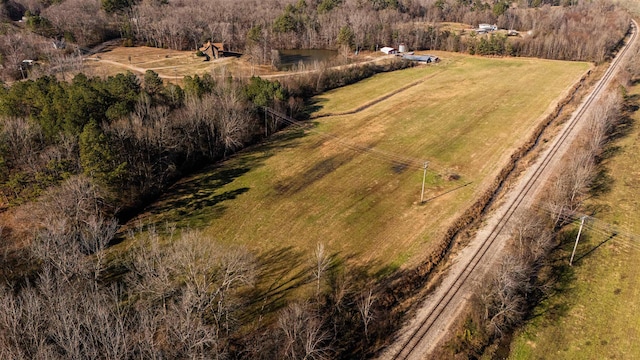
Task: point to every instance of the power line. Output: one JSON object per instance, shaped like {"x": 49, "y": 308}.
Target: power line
{"x": 599, "y": 226}
{"x": 379, "y": 154}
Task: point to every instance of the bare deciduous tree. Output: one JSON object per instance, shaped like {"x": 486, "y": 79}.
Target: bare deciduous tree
{"x": 532, "y": 237}
{"x": 505, "y": 295}
{"x": 233, "y": 121}
{"x": 24, "y": 141}
{"x": 365, "y": 307}
{"x": 321, "y": 262}
{"x": 602, "y": 121}
{"x": 304, "y": 336}
{"x": 84, "y": 19}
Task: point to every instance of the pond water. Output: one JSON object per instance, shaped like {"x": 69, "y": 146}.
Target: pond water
{"x": 291, "y": 58}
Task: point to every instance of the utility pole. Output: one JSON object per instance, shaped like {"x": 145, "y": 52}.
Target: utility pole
{"x": 575, "y": 246}
{"x": 266, "y": 129}
{"x": 424, "y": 178}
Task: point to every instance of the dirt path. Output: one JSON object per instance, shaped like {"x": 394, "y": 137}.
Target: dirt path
{"x": 376, "y": 101}
{"x": 424, "y": 333}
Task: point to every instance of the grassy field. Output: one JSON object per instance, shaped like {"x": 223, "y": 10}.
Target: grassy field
{"x": 444, "y": 26}
{"x": 597, "y": 316}
{"x": 324, "y": 184}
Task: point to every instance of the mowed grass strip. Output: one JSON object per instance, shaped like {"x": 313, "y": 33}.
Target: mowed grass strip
{"x": 350, "y": 98}
{"x": 597, "y": 316}
{"x": 321, "y": 185}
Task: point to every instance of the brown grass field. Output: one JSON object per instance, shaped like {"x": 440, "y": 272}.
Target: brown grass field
{"x": 172, "y": 65}
{"x": 596, "y": 313}
{"x": 324, "y": 184}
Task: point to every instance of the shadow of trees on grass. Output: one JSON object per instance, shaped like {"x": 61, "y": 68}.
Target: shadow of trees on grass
{"x": 197, "y": 200}
{"x": 285, "y": 279}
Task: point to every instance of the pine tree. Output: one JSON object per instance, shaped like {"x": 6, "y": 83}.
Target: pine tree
{"x": 98, "y": 160}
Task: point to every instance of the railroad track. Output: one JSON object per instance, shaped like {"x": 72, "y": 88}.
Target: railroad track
{"x": 443, "y": 303}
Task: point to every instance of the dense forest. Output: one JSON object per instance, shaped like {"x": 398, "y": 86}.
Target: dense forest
{"x": 80, "y": 156}
{"x": 568, "y": 30}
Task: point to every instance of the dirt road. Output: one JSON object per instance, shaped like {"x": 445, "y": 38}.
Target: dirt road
{"x": 422, "y": 335}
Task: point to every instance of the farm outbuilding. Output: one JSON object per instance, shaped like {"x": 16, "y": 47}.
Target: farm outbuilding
{"x": 487, "y": 27}
{"x": 388, "y": 50}
{"x": 422, "y": 58}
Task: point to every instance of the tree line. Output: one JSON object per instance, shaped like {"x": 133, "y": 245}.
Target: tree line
{"x": 567, "y": 30}
{"x": 575, "y": 31}
{"x": 134, "y": 136}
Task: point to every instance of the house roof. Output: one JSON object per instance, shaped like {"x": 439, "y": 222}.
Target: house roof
{"x": 423, "y": 58}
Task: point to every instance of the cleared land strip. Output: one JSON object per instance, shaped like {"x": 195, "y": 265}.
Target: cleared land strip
{"x": 427, "y": 329}
{"x": 376, "y": 101}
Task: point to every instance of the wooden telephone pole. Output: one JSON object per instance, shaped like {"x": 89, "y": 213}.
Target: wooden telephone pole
{"x": 575, "y": 246}
{"x": 424, "y": 178}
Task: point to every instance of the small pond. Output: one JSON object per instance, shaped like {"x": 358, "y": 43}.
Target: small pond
{"x": 291, "y": 58}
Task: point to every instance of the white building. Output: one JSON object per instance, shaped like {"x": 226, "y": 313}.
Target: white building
{"x": 388, "y": 50}
{"x": 487, "y": 27}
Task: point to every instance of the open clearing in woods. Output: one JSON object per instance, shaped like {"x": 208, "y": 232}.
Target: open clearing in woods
{"x": 465, "y": 115}
{"x": 596, "y": 315}
{"x": 172, "y": 65}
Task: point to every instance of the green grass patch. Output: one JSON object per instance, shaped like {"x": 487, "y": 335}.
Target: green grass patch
{"x": 597, "y": 315}
{"x": 320, "y": 185}
{"x": 351, "y": 97}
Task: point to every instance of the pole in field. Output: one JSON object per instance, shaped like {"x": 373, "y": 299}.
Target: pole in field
{"x": 575, "y": 246}
{"x": 424, "y": 178}
{"x": 266, "y": 128}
